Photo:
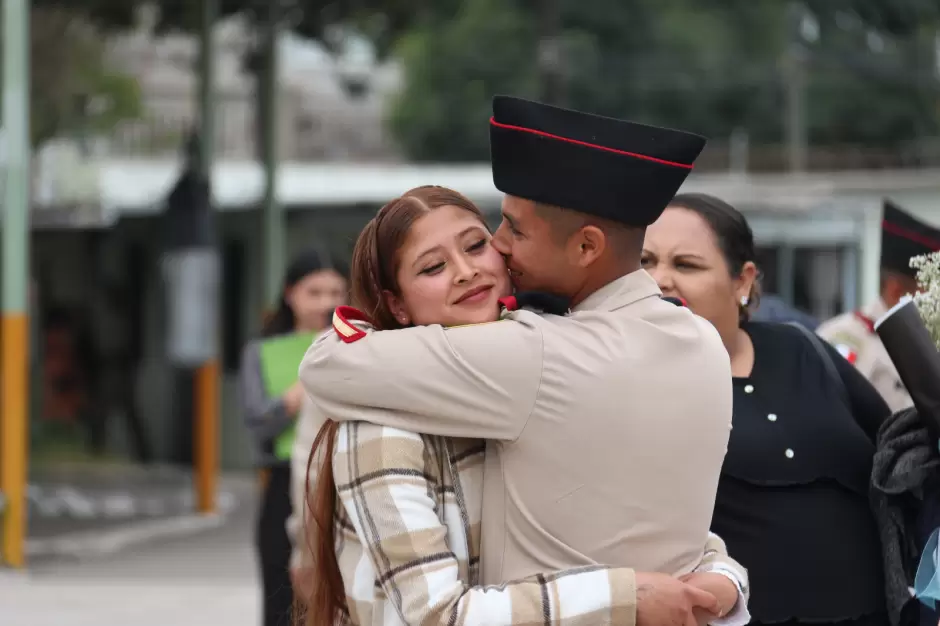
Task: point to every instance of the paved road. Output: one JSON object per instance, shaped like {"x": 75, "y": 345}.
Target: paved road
{"x": 196, "y": 580}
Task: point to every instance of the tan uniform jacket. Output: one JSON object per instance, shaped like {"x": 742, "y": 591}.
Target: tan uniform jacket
{"x": 609, "y": 425}
{"x": 853, "y": 335}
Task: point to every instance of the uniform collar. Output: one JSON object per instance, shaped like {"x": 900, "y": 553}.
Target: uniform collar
{"x": 875, "y": 310}
{"x": 621, "y": 292}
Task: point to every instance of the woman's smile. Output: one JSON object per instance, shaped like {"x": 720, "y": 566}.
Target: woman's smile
{"x": 475, "y": 295}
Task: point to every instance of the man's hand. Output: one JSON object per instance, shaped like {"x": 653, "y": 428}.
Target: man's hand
{"x": 663, "y": 600}
{"x": 725, "y": 591}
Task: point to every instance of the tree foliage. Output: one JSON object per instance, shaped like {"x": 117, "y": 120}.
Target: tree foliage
{"x": 383, "y": 21}
{"x": 72, "y": 90}
{"x": 712, "y": 66}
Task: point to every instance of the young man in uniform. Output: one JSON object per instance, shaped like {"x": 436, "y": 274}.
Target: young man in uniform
{"x": 853, "y": 333}
{"x": 608, "y": 426}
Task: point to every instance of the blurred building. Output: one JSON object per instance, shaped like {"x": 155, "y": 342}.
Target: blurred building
{"x": 330, "y": 108}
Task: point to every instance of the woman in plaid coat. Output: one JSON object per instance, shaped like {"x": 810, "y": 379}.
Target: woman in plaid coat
{"x": 401, "y": 543}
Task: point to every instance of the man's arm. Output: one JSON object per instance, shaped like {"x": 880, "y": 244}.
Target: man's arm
{"x": 477, "y": 381}
{"x": 417, "y": 567}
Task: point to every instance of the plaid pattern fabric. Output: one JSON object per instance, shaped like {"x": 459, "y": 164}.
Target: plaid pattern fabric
{"x": 408, "y": 539}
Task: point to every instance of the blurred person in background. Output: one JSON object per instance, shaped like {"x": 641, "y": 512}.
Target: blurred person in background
{"x": 775, "y": 309}
{"x": 853, "y": 333}
{"x": 400, "y": 541}
{"x": 271, "y": 398}
{"x": 792, "y": 501}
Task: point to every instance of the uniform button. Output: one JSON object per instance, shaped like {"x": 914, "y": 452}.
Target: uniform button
{"x": 748, "y": 388}
{"x": 772, "y": 417}
{"x": 789, "y": 453}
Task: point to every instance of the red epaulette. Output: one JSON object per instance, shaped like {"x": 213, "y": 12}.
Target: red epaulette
{"x": 509, "y": 303}
{"x": 867, "y": 321}
{"x": 536, "y": 301}
{"x": 343, "y": 318}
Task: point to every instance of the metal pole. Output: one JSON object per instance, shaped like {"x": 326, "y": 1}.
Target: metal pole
{"x": 14, "y": 331}
{"x": 274, "y": 239}
{"x": 850, "y": 263}
{"x": 210, "y": 11}
{"x": 551, "y": 55}
{"x": 206, "y": 383}
{"x": 796, "y": 90}
{"x": 786, "y": 273}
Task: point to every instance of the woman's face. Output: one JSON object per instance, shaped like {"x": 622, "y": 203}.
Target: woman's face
{"x": 448, "y": 273}
{"x": 681, "y": 252}
{"x": 314, "y": 298}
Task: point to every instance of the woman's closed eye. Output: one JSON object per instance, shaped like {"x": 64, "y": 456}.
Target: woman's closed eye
{"x": 433, "y": 269}
{"x": 476, "y": 247}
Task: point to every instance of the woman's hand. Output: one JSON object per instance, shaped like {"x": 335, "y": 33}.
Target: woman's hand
{"x": 719, "y": 586}
{"x": 293, "y": 398}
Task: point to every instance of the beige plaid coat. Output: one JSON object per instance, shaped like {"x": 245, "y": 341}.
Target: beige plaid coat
{"x": 408, "y": 544}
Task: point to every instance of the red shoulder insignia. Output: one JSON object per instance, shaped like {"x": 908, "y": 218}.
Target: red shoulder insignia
{"x": 343, "y": 318}
{"x": 867, "y": 321}
{"x": 848, "y": 353}
{"x": 509, "y": 303}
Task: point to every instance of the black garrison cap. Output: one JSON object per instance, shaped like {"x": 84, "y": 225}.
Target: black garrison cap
{"x": 614, "y": 169}
{"x": 903, "y": 236}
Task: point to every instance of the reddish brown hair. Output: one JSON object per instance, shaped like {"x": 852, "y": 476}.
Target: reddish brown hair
{"x": 374, "y": 269}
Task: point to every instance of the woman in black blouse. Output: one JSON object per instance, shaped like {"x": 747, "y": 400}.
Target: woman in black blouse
{"x": 792, "y": 501}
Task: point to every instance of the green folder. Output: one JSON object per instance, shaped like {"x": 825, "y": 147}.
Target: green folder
{"x": 280, "y": 359}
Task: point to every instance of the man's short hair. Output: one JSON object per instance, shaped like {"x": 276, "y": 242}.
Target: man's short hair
{"x": 565, "y": 222}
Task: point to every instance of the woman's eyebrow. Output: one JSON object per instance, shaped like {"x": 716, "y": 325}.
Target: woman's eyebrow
{"x": 466, "y": 230}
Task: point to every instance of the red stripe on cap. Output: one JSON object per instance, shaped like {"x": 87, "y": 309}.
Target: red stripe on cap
{"x": 911, "y": 235}
{"x": 595, "y": 146}
{"x": 343, "y": 318}
{"x": 509, "y": 303}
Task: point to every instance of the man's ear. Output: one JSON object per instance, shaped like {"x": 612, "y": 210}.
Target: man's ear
{"x": 589, "y": 244}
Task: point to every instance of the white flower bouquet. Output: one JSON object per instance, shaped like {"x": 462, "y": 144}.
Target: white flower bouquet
{"x": 928, "y": 299}
{"x": 910, "y": 333}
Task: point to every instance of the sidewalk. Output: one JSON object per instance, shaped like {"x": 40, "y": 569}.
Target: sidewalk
{"x": 120, "y": 603}
{"x": 200, "y": 577}
{"x": 72, "y": 498}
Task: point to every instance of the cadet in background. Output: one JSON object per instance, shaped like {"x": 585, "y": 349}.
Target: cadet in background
{"x": 853, "y": 333}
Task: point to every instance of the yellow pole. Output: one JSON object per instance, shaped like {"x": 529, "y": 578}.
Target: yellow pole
{"x": 206, "y": 384}
{"x": 14, "y": 437}
{"x": 206, "y": 435}
{"x": 14, "y": 333}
